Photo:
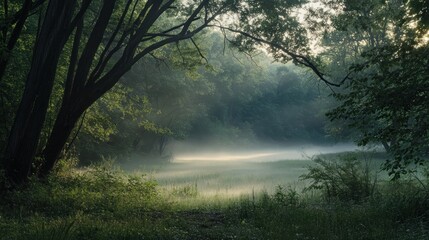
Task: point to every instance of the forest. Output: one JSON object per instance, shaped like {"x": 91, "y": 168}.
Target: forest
{"x": 214, "y": 119}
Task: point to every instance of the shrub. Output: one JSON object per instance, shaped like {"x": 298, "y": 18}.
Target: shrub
{"x": 66, "y": 166}
{"x": 344, "y": 178}
{"x": 286, "y": 196}
{"x": 102, "y": 189}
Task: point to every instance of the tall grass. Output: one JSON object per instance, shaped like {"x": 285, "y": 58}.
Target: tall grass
{"x": 103, "y": 202}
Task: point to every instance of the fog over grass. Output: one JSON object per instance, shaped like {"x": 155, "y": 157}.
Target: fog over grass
{"x": 262, "y": 153}
{"x": 206, "y": 170}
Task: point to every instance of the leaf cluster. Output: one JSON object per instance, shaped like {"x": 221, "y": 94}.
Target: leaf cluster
{"x": 388, "y": 103}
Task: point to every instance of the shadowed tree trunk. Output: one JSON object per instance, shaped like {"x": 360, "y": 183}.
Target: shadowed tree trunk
{"x": 89, "y": 84}
{"x": 30, "y": 117}
{"x": 97, "y": 62}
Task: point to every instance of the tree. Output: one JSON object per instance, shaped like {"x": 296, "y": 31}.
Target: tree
{"x": 385, "y": 98}
{"x": 114, "y": 51}
{"x": 25, "y": 132}
{"x": 161, "y": 101}
{"x": 17, "y": 35}
{"x": 108, "y": 38}
{"x": 291, "y": 110}
{"x": 389, "y": 104}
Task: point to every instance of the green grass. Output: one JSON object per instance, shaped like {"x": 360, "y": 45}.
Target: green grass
{"x": 104, "y": 202}
{"x": 232, "y": 178}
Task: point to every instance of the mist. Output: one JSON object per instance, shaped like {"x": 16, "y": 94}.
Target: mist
{"x": 214, "y": 119}
{"x": 185, "y": 152}
{"x": 213, "y": 169}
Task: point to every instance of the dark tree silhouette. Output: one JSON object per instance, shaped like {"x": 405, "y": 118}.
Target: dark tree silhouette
{"x": 107, "y": 38}
{"x": 97, "y": 62}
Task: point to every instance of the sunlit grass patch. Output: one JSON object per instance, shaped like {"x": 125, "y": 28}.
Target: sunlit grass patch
{"x": 232, "y": 178}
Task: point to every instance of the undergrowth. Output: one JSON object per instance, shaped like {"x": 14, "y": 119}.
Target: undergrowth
{"x": 102, "y": 202}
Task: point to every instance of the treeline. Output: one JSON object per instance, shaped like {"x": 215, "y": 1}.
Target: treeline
{"x": 59, "y": 59}
{"x": 227, "y": 98}
{"x": 74, "y": 74}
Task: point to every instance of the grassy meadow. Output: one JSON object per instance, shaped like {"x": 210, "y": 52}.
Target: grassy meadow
{"x": 220, "y": 200}
{"x": 232, "y": 178}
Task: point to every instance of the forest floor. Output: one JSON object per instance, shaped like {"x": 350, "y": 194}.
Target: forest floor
{"x": 104, "y": 202}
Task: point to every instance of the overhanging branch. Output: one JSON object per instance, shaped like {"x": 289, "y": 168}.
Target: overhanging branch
{"x": 199, "y": 50}
{"x": 303, "y": 60}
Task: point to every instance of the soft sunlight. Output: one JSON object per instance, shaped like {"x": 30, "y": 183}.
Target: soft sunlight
{"x": 214, "y": 119}
{"x": 251, "y": 155}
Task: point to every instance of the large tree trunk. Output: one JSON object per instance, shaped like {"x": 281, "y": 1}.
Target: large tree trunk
{"x": 85, "y": 85}
{"x": 63, "y": 127}
{"x": 75, "y": 101}
{"x": 29, "y": 120}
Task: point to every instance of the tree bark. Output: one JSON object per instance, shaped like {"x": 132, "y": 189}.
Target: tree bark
{"x": 30, "y": 117}
{"x": 63, "y": 127}
{"x": 84, "y": 87}
{"x": 74, "y": 102}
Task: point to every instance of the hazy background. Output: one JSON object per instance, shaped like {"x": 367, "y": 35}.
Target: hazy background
{"x": 234, "y": 104}
{"x": 186, "y": 151}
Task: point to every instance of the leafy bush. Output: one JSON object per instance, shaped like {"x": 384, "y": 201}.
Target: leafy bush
{"x": 344, "y": 178}
{"x": 66, "y": 165}
{"x": 101, "y": 189}
{"x": 286, "y": 196}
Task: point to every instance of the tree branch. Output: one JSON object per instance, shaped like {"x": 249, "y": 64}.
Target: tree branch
{"x": 111, "y": 40}
{"x": 199, "y": 50}
{"x": 303, "y": 60}
{"x": 77, "y": 132}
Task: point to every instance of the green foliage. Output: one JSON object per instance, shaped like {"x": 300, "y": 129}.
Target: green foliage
{"x": 100, "y": 189}
{"x": 252, "y": 99}
{"x": 65, "y": 166}
{"x": 13, "y": 80}
{"x": 380, "y": 46}
{"x": 274, "y": 21}
{"x": 290, "y": 109}
{"x": 420, "y": 10}
{"x": 165, "y": 97}
{"x": 102, "y": 202}
{"x": 345, "y": 178}
{"x": 286, "y": 196}
{"x": 313, "y": 219}
{"x": 232, "y": 98}
{"x": 388, "y": 104}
